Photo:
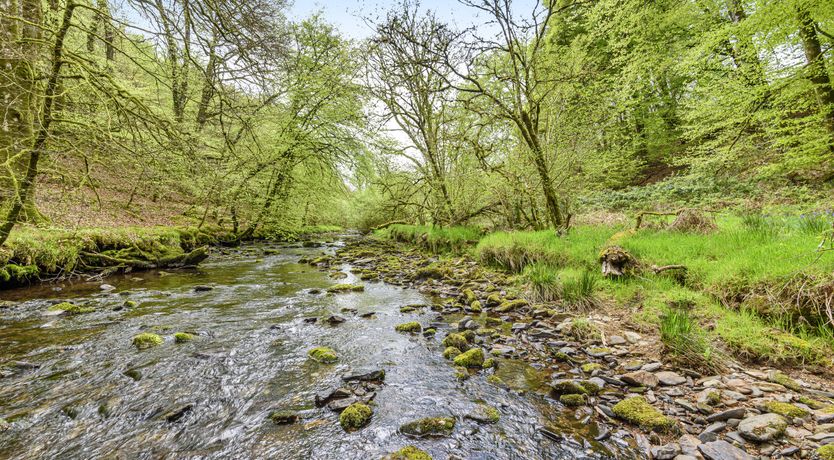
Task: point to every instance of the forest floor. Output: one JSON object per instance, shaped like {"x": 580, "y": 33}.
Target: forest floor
{"x": 705, "y": 371}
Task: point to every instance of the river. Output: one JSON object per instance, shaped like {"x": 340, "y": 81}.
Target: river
{"x": 74, "y": 387}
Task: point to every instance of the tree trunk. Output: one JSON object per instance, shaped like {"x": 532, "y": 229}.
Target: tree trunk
{"x": 208, "y": 88}
{"x": 25, "y": 191}
{"x": 818, "y": 73}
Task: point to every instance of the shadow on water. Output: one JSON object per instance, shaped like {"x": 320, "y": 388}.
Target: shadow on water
{"x": 95, "y": 396}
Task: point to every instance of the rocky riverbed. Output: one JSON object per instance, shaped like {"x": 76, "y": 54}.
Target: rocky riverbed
{"x": 258, "y": 354}
{"x": 601, "y": 371}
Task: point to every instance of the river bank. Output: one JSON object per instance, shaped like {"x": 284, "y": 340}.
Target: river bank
{"x": 601, "y": 366}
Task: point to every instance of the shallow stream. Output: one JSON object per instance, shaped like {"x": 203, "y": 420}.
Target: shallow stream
{"x": 93, "y": 395}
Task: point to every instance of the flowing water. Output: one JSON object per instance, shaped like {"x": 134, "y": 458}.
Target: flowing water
{"x": 93, "y": 395}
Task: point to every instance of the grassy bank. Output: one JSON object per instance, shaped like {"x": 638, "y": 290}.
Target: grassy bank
{"x": 31, "y": 254}
{"x": 757, "y": 283}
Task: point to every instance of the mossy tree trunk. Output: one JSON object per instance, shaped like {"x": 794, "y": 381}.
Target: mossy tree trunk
{"x": 818, "y": 74}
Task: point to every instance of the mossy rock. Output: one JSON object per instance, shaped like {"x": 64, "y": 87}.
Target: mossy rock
{"x": 183, "y": 337}
{"x": 473, "y": 358}
{"x": 323, "y": 355}
{"x": 283, "y": 417}
{"x": 339, "y": 288}
{"x": 411, "y": 327}
{"x": 484, "y": 413}
{"x": 511, "y": 305}
{"x": 456, "y": 340}
{"x": 451, "y": 352}
{"x": 485, "y": 331}
{"x": 574, "y": 387}
{"x": 490, "y": 363}
{"x": 408, "y": 453}
{"x": 785, "y": 409}
{"x": 429, "y": 427}
{"x": 638, "y": 411}
{"x": 812, "y": 403}
{"x": 493, "y": 300}
{"x": 573, "y": 400}
{"x": 407, "y": 309}
{"x": 496, "y": 380}
{"x": 147, "y": 340}
{"x": 71, "y": 309}
{"x": 475, "y": 307}
{"x": 461, "y": 373}
{"x": 784, "y": 380}
{"x": 826, "y": 452}
{"x": 468, "y": 296}
{"x": 130, "y": 304}
{"x": 355, "y": 416}
{"x": 430, "y": 332}
{"x": 468, "y": 335}
{"x": 590, "y": 367}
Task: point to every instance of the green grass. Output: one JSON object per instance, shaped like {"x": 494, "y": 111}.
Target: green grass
{"x": 542, "y": 283}
{"x": 513, "y": 251}
{"x": 686, "y": 342}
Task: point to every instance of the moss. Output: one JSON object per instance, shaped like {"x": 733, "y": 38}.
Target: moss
{"x": 574, "y": 387}
{"x": 407, "y": 309}
{"x": 590, "y": 367}
{"x": 785, "y": 381}
{"x": 408, "y": 453}
{"x": 429, "y": 427}
{"x": 475, "y": 307}
{"x": 485, "y": 331}
{"x": 561, "y": 357}
{"x": 511, "y": 305}
{"x": 468, "y": 296}
{"x": 785, "y": 409}
{"x": 71, "y": 309}
{"x": 456, "y": 340}
{"x": 130, "y": 303}
{"x": 495, "y": 380}
{"x": 468, "y": 335}
{"x": 493, "y": 300}
{"x": 485, "y": 414}
{"x": 638, "y": 411}
{"x": 572, "y": 400}
{"x": 283, "y": 417}
{"x": 183, "y": 337}
{"x": 355, "y": 416}
{"x": 451, "y": 352}
{"x": 826, "y": 452}
{"x": 812, "y": 403}
{"x": 461, "y": 373}
{"x": 471, "y": 359}
{"x": 147, "y": 340}
{"x": 323, "y": 355}
{"x": 490, "y": 363}
{"x": 713, "y": 398}
{"x": 410, "y": 327}
{"x": 337, "y": 288}
{"x": 430, "y": 332}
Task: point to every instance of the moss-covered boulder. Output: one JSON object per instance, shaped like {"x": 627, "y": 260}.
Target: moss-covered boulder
{"x": 475, "y": 307}
{"x": 638, "y": 411}
{"x": 355, "y": 416}
{"x": 490, "y": 363}
{"x": 574, "y": 387}
{"x": 573, "y": 400}
{"x": 456, "y": 340}
{"x": 451, "y": 352}
{"x": 71, "y": 309}
{"x": 784, "y": 380}
{"x": 590, "y": 367}
{"x": 408, "y": 453}
{"x": 183, "y": 337}
{"x": 511, "y": 305}
{"x": 412, "y": 327}
{"x": 429, "y": 427}
{"x": 339, "y": 288}
{"x": 147, "y": 340}
{"x": 323, "y": 355}
{"x": 493, "y": 300}
{"x": 473, "y": 358}
{"x": 786, "y": 409}
{"x": 467, "y": 296}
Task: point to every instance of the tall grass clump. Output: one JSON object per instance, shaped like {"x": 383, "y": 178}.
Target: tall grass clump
{"x": 686, "y": 342}
{"x": 815, "y": 223}
{"x": 761, "y": 226}
{"x": 579, "y": 289}
{"x": 513, "y": 251}
{"x": 542, "y": 283}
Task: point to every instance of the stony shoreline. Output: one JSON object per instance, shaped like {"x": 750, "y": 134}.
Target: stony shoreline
{"x": 603, "y": 371}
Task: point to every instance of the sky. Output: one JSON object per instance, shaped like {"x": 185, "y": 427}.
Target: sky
{"x": 347, "y": 15}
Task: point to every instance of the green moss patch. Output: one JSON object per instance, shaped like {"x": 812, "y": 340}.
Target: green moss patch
{"x": 339, "y": 288}
{"x": 355, "y": 416}
{"x": 323, "y": 355}
{"x": 71, "y": 309}
{"x": 410, "y": 327}
{"x": 638, "y": 411}
{"x": 456, "y": 340}
{"x": 429, "y": 427}
{"x": 183, "y": 337}
{"x": 473, "y": 358}
{"x": 408, "y": 453}
{"x": 451, "y": 352}
{"x": 785, "y": 409}
{"x": 147, "y": 340}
